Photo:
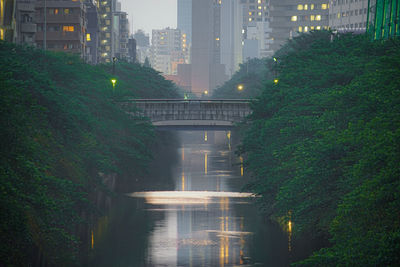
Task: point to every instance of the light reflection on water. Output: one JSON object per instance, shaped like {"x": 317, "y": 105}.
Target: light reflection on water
{"x": 201, "y": 226}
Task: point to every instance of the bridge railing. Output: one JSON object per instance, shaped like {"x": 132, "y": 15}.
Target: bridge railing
{"x": 229, "y": 110}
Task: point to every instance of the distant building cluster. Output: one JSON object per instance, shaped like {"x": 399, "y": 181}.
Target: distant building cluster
{"x": 222, "y": 34}
{"x": 98, "y": 31}
{"x": 212, "y": 39}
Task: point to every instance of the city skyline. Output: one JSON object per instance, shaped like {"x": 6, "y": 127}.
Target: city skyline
{"x": 151, "y": 14}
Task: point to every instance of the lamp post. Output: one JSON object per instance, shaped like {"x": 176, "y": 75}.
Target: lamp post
{"x": 45, "y": 26}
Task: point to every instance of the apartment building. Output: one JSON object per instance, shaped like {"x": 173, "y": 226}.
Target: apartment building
{"x": 25, "y": 22}
{"x": 105, "y": 15}
{"x": 61, "y": 26}
{"x": 166, "y": 50}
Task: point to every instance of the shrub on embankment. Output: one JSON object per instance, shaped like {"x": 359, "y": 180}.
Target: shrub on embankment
{"x": 62, "y": 137}
{"x": 324, "y": 146}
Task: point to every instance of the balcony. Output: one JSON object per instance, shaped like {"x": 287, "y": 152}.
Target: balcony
{"x": 60, "y": 36}
{"x": 60, "y": 18}
{"x": 28, "y": 27}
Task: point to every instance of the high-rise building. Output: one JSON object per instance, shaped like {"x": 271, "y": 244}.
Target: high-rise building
{"x": 207, "y": 72}
{"x": 347, "y": 15}
{"x": 132, "y": 50}
{"x": 63, "y": 26}
{"x": 185, "y": 18}
{"x": 92, "y": 32}
{"x": 231, "y": 35}
{"x": 25, "y": 22}
{"x": 120, "y": 35}
{"x": 288, "y": 17}
{"x": 105, "y": 9}
{"x": 166, "y": 50}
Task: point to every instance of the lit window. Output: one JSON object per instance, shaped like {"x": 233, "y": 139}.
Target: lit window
{"x": 1, "y": 34}
{"x": 259, "y": 13}
{"x": 250, "y": 13}
{"x": 318, "y": 28}
{"x": 250, "y": 19}
{"x": 108, "y": 48}
{"x": 299, "y": 7}
{"x": 338, "y": 15}
{"x": 311, "y": 27}
{"x": 306, "y": 29}
{"x": 305, "y": 7}
{"x": 108, "y": 22}
{"x": 318, "y": 17}
{"x": 68, "y": 28}
{"x": 324, "y": 6}
{"x": 259, "y": 1}
{"x": 312, "y": 6}
{"x": 66, "y": 11}
{"x": 217, "y": 39}
{"x": 293, "y": 18}
{"x": 300, "y": 29}
{"x": 88, "y": 37}
{"x": 312, "y": 17}
{"x": 242, "y": 30}
{"x": 259, "y": 7}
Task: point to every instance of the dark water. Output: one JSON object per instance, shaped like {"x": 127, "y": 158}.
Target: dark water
{"x": 202, "y": 221}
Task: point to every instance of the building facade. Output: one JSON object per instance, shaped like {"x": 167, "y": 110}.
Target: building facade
{"x": 348, "y": 15}
{"x": 105, "y": 9}
{"x": 185, "y": 18}
{"x": 167, "y": 50}
{"x": 61, "y": 26}
{"x": 92, "y": 32}
{"x": 288, "y": 17}
{"x": 25, "y": 22}
{"x": 207, "y": 72}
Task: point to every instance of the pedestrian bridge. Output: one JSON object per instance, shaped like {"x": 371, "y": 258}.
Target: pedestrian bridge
{"x": 192, "y": 114}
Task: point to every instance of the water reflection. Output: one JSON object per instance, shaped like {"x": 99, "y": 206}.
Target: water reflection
{"x": 204, "y": 221}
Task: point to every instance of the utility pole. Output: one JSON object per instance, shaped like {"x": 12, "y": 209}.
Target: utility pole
{"x": 45, "y": 26}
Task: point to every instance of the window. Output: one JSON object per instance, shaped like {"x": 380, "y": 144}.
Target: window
{"x": 88, "y": 39}
{"x": 306, "y": 29}
{"x": 311, "y": 6}
{"x": 293, "y": 18}
{"x": 67, "y": 11}
{"x": 318, "y": 17}
{"x": 324, "y": 6}
{"x": 305, "y": 7}
{"x": 318, "y": 27}
{"x": 68, "y": 28}
{"x": 312, "y": 17}
{"x": 299, "y": 7}
{"x": 53, "y": 11}
{"x": 300, "y": 29}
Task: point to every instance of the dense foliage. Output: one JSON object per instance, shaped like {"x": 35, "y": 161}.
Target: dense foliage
{"x": 64, "y": 140}
{"x": 324, "y": 146}
{"x": 250, "y": 77}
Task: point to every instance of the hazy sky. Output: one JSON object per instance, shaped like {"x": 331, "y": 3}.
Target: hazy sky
{"x": 150, "y": 14}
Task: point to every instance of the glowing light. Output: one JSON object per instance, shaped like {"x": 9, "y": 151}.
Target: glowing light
{"x": 276, "y": 81}
{"x": 205, "y": 163}
{"x": 241, "y": 167}
{"x": 205, "y": 136}
{"x": 92, "y": 239}
{"x": 113, "y": 81}
{"x": 206, "y": 92}
{"x": 240, "y": 87}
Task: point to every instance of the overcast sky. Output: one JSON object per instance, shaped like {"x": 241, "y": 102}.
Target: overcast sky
{"x": 150, "y": 14}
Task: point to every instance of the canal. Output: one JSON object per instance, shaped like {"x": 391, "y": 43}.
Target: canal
{"x": 202, "y": 219}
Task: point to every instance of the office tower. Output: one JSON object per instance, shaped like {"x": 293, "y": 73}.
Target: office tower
{"x": 385, "y": 19}
{"x": 231, "y": 35}
{"x": 288, "y": 17}
{"x": 64, "y": 27}
{"x": 345, "y": 15}
{"x": 185, "y": 18}
{"x": 207, "y": 72}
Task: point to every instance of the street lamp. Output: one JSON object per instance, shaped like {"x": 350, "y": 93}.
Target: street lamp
{"x": 240, "y": 87}
{"x": 276, "y": 81}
